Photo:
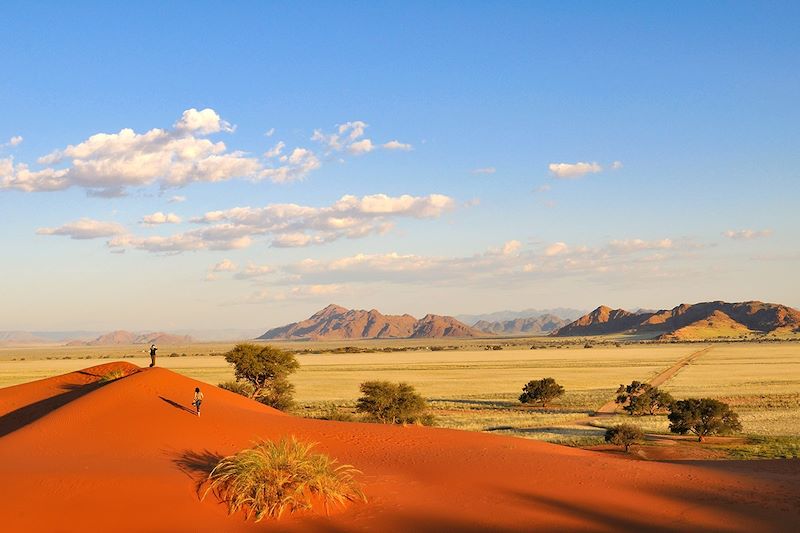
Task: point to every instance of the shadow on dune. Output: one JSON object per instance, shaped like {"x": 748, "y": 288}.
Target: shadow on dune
{"x": 737, "y": 506}
{"x": 176, "y": 405}
{"x": 197, "y": 465}
{"x": 21, "y": 417}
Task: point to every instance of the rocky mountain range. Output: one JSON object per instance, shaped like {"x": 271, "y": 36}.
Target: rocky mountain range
{"x": 122, "y": 337}
{"x": 338, "y": 323}
{"x": 538, "y": 325}
{"x": 689, "y": 321}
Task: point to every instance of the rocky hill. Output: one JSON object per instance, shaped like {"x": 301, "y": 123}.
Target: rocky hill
{"x": 122, "y": 337}
{"x": 539, "y": 325}
{"x": 689, "y": 321}
{"x": 338, "y": 323}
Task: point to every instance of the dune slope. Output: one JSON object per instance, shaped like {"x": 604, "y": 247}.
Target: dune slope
{"x": 127, "y": 456}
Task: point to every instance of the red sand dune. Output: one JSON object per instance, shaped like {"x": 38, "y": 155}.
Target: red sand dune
{"x": 126, "y": 456}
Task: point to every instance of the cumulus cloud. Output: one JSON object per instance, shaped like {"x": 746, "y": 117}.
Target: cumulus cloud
{"x": 270, "y": 132}
{"x": 616, "y": 165}
{"x": 747, "y": 234}
{"x": 484, "y": 170}
{"x": 177, "y": 199}
{"x": 292, "y": 225}
{"x": 397, "y": 145}
{"x": 161, "y": 218}
{"x": 555, "y": 249}
{"x": 226, "y": 265}
{"x": 107, "y": 164}
{"x": 115, "y": 161}
{"x": 16, "y": 140}
{"x": 573, "y": 170}
{"x": 511, "y": 247}
{"x": 361, "y": 147}
{"x": 85, "y": 228}
{"x": 294, "y": 167}
{"x": 205, "y": 121}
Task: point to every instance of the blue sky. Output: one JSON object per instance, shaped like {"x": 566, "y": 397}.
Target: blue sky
{"x": 519, "y": 155}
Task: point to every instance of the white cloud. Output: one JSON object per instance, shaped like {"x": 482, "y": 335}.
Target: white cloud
{"x": 85, "y": 228}
{"x": 397, "y": 145}
{"x": 508, "y": 264}
{"x": 270, "y": 132}
{"x": 108, "y": 163}
{"x": 292, "y": 225}
{"x": 573, "y": 170}
{"x": 556, "y": 248}
{"x": 253, "y": 270}
{"x": 276, "y": 150}
{"x": 631, "y": 245}
{"x": 511, "y": 247}
{"x": 616, "y": 165}
{"x": 161, "y": 218}
{"x": 226, "y": 265}
{"x": 177, "y": 199}
{"x": 747, "y": 234}
{"x": 484, "y": 170}
{"x": 203, "y": 122}
{"x": 346, "y": 134}
{"x": 361, "y": 147}
{"x": 16, "y": 140}
{"x": 295, "y": 166}
{"x": 542, "y": 188}
{"x": 181, "y": 242}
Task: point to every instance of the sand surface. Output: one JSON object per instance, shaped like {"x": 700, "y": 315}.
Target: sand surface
{"x": 127, "y": 456}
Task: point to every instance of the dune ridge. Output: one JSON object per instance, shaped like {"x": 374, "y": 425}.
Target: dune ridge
{"x": 127, "y": 456}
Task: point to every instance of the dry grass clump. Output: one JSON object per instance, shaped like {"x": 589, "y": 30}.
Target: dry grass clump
{"x": 273, "y": 477}
{"x": 111, "y": 376}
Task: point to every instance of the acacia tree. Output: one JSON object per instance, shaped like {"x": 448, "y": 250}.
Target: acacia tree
{"x": 265, "y": 369}
{"x": 624, "y": 435}
{"x": 541, "y": 391}
{"x": 392, "y": 403}
{"x": 703, "y": 417}
{"x": 642, "y": 398}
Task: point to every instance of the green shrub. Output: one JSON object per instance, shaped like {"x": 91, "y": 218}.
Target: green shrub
{"x": 392, "y": 403}
{"x": 624, "y": 435}
{"x": 703, "y": 417}
{"x": 273, "y": 477}
{"x": 541, "y": 391}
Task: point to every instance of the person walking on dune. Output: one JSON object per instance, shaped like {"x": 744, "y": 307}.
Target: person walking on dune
{"x": 198, "y": 399}
{"x": 153, "y": 351}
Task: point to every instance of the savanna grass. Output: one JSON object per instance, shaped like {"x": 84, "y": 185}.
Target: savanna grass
{"x": 273, "y": 477}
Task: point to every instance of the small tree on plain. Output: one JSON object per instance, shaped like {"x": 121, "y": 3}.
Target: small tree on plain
{"x": 642, "y": 398}
{"x": 703, "y": 417}
{"x": 541, "y": 391}
{"x": 266, "y": 370}
{"x": 624, "y": 435}
{"x": 392, "y": 403}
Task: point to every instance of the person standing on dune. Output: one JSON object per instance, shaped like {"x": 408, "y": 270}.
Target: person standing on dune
{"x": 153, "y": 351}
{"x": 198, "y": 399}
